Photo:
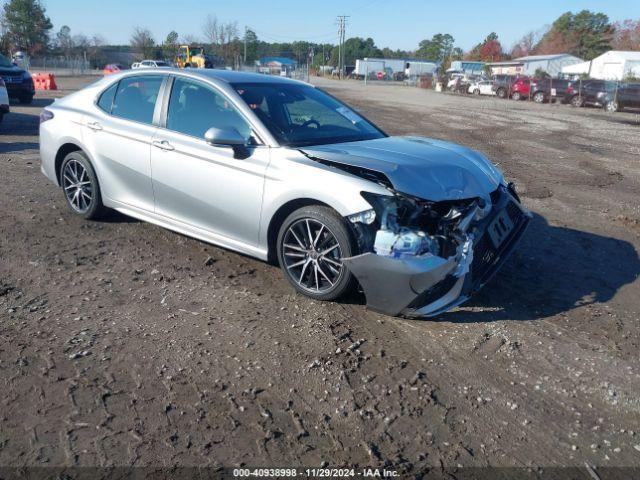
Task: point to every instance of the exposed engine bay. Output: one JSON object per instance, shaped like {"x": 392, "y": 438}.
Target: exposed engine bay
{"x": 400, "y": 226}
{"x": 417, "y": 256}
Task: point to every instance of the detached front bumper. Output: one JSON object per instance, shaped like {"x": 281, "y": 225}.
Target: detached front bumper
{"x": 429, "y": 285}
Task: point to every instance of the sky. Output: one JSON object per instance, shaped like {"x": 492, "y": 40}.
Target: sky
{"x": 395, "y": 24}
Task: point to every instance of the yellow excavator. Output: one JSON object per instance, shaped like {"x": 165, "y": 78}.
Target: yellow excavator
{"x": 192, "y": 56}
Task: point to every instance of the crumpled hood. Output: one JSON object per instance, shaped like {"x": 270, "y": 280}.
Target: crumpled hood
{"x": 423, "y": 167}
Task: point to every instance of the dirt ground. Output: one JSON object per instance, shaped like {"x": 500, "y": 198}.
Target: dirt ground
{"x": 123, "y": 344}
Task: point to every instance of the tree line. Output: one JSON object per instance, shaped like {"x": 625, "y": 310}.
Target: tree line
{"x": 24, "y": 25}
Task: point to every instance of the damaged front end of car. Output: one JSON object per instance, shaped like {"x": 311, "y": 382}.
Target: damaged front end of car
{"x": 422, "y": 258}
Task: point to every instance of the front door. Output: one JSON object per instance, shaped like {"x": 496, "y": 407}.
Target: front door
{"x": 203, "y": 185}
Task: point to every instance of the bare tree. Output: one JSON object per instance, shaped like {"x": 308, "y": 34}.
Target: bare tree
{"x": 211, "y": 29}
{"x": 189, "y": 39}
{"x": 81, "y": 42}
{"x": 142, "y": 42}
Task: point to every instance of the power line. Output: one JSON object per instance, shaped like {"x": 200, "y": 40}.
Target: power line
{"x": 285, "y": 37}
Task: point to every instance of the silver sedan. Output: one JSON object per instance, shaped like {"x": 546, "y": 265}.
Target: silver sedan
{"x": 280, "y": 170}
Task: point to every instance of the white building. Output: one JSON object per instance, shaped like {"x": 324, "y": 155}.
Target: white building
{"x": 409, "y": 66}
{"x": 613, "y": 65}
{"x": 552, "y": 64}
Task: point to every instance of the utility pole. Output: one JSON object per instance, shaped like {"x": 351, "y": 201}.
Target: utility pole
{"x": 342, "y": 24}
{"x": 245, "y": 44}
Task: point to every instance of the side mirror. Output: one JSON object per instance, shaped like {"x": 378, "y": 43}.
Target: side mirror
{"x": 227, "y": 137}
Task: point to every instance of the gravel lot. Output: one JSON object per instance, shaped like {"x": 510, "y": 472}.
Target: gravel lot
{"x": 125, "y": 344}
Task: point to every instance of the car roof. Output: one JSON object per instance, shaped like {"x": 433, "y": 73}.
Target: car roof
{"x": 221, "y": 76}
{"x": 233, "y": 76}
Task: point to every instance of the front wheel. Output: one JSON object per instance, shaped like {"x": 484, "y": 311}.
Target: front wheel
{"x": 501, "y": 93}
{"x": 516, "y": 96}
{"x": 80, "y": 185}
{"x": 312, "y": 243}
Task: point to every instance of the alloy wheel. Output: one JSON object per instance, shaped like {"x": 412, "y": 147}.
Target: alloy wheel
{"x": 77, "y": 186}
{"x": 312, "y": 255}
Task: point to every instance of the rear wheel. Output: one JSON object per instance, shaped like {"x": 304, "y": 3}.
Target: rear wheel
{"x": 516, "y": 96}
{"x": 612, "y": 106}
{"x": 311, "y": 244}
{"x": 501, "y": 93}
{"x": 476, "y": 91}
{"x": 80, "y": 185}
{"x": 538, "y": 97}
{"x": 577, "y": 101}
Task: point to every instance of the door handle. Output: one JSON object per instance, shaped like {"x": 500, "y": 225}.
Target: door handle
{"x": 95, "y": 126}
{"x": 163, "y": 145}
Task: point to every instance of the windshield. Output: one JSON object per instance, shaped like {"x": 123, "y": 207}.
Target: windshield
{"x": 4, "y": 61}
{"x": 301, "y": 115}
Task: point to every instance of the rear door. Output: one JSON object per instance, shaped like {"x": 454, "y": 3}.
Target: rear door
{"x": 119, "y": 132}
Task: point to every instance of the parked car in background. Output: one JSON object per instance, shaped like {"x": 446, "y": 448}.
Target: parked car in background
{"x": 502, "y": 85}
{"x": 419, "y": 223}
{"x": 520, "y": 88}
{"x": 455, "y": 80}
{"x": 599, "y": 93}
{"x": 112, "y": 68}
{"x": 627, "y": 96}
{"x": 4, "y": 100}
{"x": 151, "y": 64}
{"x": 18, "y": 81}
{"x": 481, "y": 87}
{"x": 548, "y": 89}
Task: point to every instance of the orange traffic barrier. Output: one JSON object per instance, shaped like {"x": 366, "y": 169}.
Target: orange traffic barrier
{"x": 44, "y": 81}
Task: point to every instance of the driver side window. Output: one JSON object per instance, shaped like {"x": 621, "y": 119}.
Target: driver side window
{"x": 195, "y": 108}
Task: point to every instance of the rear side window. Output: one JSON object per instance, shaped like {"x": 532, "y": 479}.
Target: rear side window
{"x": 136, "y": 98}
{"x": 106, "y": 99}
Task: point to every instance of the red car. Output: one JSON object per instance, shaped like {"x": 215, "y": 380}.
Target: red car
{"x": 112, "y": 68}
{"x": 521, "y": 88}
{"x": 507, "y": 86}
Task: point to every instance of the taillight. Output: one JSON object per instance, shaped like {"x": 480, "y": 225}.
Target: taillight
{"x": 45, "y": 115}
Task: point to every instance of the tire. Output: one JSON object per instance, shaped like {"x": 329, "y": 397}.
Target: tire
{"x": 577, "y": 101}
{"x": 538, "y": 97}
{"x": 87, "y": 202}
{"x": 501, "y": 93}
{"x": 515, "y": 96}
{"x": 612, "y": 106}
{"x": 476, "y": 92}
{"x": 187, "y": 65}
{"x": 301, "y": 264}
{"x": 26, "y": 99}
